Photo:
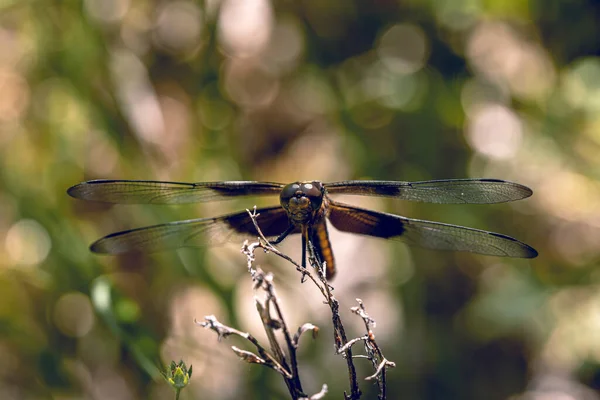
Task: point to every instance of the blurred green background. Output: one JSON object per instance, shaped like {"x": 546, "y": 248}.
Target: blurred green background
{"x": 282, "y": 91}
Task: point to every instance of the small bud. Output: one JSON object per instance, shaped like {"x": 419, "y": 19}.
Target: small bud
{"x": 178, "y": 375}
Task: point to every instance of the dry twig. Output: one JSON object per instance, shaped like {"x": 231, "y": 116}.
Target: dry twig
{"x": 273, "y": 319}
{"x": 374, "y": 353}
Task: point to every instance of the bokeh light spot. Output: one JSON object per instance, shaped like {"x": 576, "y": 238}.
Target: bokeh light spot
{"x": 73, "y": 314}
{"x": 15, "y": 95}
{"x": 137, "y": 96}
{"x": 495, "y": 131}
{"x": 127, "y": 310}
{"x": 457, "y": 15}
{"x": 582, "y": 84}
{"x": 107, "y": 11}
{"x": 511, "y": 57}
{"x": 250, "y": 84}
{"x": 179, "y": 25}
{"x": 27, "y": 242}
{"x": 245, "y": 26}
{"x": 392, "y": 90}
{"x": 286, "y": 46}
{"x": 312, "y": 93}
{"x": 215, "y": 113}
{"x": 403, "y": 48}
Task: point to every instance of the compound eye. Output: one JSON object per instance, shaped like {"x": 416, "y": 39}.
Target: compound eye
{"x": 310, "y": 190}
{"x": 288, "y": 192}
{"x": 314, "y": 192}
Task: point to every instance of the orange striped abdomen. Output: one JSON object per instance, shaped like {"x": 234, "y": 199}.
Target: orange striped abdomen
{"x": 323, "y": 249}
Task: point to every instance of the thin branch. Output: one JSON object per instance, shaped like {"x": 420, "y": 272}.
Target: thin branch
{"x": 273, "y": 299}
{"x": 381, "y": 369}
{"x": 211, "y": 322}
{"x": 374, "y": 353}
{"x": 339, "y": 332}
{"x": 350, "y": 344}
{"x": 340, "y": 340}
{"x": 252, "y": 358}
{"x": 271, "y": 324}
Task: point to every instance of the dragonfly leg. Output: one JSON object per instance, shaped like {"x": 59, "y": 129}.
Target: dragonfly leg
{"x": 283, "y": 235}
{"x": 304, "y": 251}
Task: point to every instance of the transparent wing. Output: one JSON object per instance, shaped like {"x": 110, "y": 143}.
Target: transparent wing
{"x": 450, "y": 191}
{"x": 157, "y": 192}
{"x": 431, "y": 235}
{"x": 194, "y": 233}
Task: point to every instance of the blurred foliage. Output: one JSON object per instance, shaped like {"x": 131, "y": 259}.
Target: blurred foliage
{"x": 282, "y": 91}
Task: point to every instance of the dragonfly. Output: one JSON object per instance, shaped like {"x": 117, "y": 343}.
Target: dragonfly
{"x": 304, "y": 208}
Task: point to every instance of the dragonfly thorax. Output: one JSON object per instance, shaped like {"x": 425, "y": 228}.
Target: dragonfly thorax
{"x": 302, "y": 200}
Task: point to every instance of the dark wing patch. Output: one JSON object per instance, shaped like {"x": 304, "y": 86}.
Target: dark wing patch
{"x": 431, "y": 235}
{"x": 157, "y": 192}
{"x": 194, "y": 233}
{"x": 448, "y": 191}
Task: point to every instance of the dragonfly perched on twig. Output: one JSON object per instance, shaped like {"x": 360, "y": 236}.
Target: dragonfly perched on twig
{"x": 304, "y": 207}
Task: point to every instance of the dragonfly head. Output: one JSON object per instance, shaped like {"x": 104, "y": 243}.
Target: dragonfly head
{"x": 302, "y": 200}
